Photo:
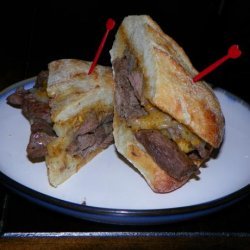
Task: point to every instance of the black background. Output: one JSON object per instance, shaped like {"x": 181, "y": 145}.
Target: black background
{"x": 35, "y": 33}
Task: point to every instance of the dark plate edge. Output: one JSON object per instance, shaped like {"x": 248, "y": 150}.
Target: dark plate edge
{"x": 17, "y": 84}
{"x": 9, "y": 183}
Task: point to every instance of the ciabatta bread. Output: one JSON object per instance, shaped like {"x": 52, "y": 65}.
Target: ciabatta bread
{"x": 165, "y": 100}
{"x": 81, "y": 105}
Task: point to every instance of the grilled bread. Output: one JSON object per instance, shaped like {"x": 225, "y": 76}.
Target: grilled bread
{"x": 164, "y": 124}
{"x": 82, "y": 114}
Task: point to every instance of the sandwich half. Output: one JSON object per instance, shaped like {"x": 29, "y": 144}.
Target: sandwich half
{"x": 164, "y": 124}
{"x": 81, "y": 113}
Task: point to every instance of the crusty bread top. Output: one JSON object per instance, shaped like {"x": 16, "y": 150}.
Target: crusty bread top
{"x": 72, "y": 90}
{"x": 168, "y": 75}
{"x": 72, "y": 75}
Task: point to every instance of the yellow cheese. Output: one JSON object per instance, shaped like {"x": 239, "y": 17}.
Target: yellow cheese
{"x": 156, "y": 119}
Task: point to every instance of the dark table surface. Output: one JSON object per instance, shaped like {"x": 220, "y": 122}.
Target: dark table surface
{"x": 34, "y": 35}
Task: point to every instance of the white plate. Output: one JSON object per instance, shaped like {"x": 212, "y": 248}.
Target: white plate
{"x": 108, "y": 186}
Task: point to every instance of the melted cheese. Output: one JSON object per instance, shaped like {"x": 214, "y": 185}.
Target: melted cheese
{"x": 71, "y": 125}
{"x": 156, "y": 119}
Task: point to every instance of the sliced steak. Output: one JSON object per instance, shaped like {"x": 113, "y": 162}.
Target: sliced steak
{"x": 90, "y": 124}
{"x": 200, "y": 151}
{"x": 41, "y": 134}
{"x": 128, "y": 87}
{"x": 40, "y": 125}
{"x": 38, "y": 113}
{"x": 136, "y": 81}
{"x": 42, "y": 79}
{"x": 16, "y": 99}
{"x": 204, "y": 150}
{"x": 166, "y": 154}
{"x": 94, "y": 133}
{"x": 35, "y": 107}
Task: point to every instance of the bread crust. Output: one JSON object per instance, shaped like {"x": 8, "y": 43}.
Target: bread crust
{"x": 73, "y": 95}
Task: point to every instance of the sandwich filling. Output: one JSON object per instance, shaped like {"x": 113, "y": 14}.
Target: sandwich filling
{"x": 92, "y": 132}
{"x": 34, "y": 103}
{"x": 96, "y": 132}
{"x": 171, "y": 145}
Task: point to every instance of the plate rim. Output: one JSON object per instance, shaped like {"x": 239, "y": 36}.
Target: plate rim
{"x": 16, "y": 186}
{"x": 17, "y": 84}
{"x": 34, "y": 194}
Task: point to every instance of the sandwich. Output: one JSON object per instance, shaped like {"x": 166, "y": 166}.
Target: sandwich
{"x": 71, "y": 115}
{"x": 164, "y": 124}
{"x": 82, "y": 115}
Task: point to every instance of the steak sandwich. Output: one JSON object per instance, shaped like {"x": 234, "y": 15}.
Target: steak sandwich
{"x": 82, "y": 114}
{"x": 34, "y": 103}
{"x": 71, "y": 115}
{"x": 164, "y": 124}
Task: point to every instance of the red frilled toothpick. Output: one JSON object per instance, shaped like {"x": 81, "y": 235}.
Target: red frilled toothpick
{"x": 233, "y": 52}
{"x": 110, "y": 24}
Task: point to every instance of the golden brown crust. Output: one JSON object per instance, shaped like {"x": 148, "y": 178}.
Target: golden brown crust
{"x": 192, "y": 104}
